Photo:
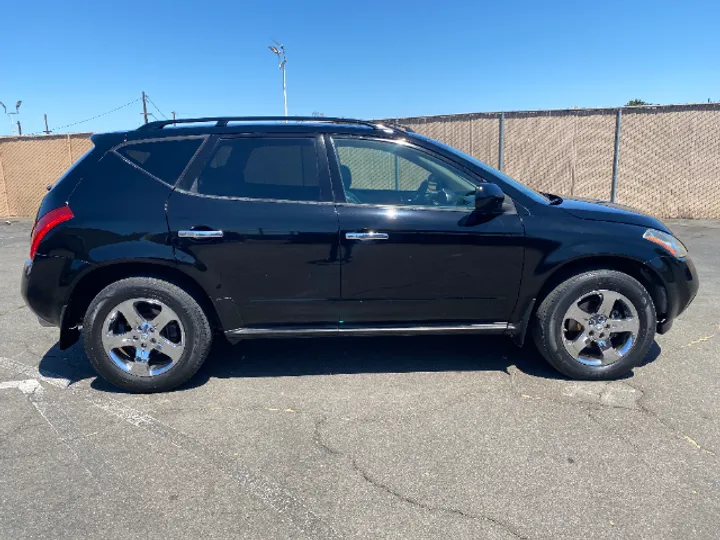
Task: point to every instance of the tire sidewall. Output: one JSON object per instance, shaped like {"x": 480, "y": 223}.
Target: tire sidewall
{"x": 614, "y": 281}
{"x": 102, "y": 306}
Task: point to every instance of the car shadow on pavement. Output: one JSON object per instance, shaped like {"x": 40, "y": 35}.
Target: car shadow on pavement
{"x": 332, "y": 356}
{"x": 348, "y": 355}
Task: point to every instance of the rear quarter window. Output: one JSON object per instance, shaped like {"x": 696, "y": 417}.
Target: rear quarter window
{"x": 165, "y": 160}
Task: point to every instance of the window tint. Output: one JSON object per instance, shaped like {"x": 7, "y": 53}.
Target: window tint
{"x": 383, "y": 172}
{"x": 285, "y": 169}
{"x": 164, "y": 159}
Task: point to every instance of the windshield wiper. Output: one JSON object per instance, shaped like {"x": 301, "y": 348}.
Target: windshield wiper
{"x": 554, "y": 199}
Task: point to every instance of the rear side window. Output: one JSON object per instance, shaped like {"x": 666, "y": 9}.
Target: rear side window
{"x": 165, "y": 160}
{"x": 282, "y": 169}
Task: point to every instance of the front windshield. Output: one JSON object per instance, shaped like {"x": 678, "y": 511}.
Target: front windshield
{"x": 533, "y": 195}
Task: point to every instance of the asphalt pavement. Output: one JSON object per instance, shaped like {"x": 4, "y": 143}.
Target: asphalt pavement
{"x": 403, "y": 438}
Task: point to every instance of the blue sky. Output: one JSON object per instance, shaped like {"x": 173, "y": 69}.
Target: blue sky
{"x": 364, "y": 58}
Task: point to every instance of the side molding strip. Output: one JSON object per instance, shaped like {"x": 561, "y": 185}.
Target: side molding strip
{"x": 482, "y": 328}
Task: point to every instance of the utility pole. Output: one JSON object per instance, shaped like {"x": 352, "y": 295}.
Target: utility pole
{"x": 145, "y": 113}
{"x": 173, "y": 113}
{"x": 47, "y": 130}
{"x": 282, "y": 60}
{"x": 19, "y": 128}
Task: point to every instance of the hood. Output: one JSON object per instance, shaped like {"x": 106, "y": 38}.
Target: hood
{"x": 598, "y": 210}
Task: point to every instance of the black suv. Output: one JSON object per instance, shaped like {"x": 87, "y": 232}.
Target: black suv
{"x": 161, "y": 237}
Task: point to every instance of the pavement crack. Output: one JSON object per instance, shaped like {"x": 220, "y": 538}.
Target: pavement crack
{"x": 702, "y": 339}
{"x": 276, "y": 496}
{"x": 368, "y": 478}
{"x": 256, "y": 409}
{"x": 13, "y": 310}
{"x": 609, "y": 430}
{"x": 677, "y": 433}
{"x": 603, "y": 403}
{"x": 602, "y": 400}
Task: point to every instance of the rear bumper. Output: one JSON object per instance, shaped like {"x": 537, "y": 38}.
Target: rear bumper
{"x": 45, "y": 286}
{"x": 681, "y": 285}
{"x": 37, "y": 288}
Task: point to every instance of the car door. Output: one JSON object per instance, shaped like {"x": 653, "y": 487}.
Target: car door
{"x": 413, "y": 247}
{"x": 254, "y": 223}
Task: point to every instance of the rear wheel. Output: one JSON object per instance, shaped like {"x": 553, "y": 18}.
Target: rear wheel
{"x": 596, "y": 325}
{"x": 146, "y": 335}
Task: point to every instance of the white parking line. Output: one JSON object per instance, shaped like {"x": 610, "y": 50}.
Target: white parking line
{"x": 289, "y": 508}
{"x": 56, "y": 419}
{"x": 36, "y": 373}
{"x": 29, "y": 386}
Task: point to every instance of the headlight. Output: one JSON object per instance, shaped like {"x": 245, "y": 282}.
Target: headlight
{"x": 668, "y": 241}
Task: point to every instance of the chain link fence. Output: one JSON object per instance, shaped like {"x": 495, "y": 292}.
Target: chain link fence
{"x": 668, "y": 157}
{"x": 29, "y": 164}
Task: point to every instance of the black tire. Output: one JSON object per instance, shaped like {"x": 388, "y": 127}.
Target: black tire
{"x": 548, "y": 323}
{"x": 198, "y": 334}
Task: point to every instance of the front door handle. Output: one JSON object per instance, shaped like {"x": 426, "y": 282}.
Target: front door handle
{"x": 200, "y": 234}
{"x": 366, "y": 236}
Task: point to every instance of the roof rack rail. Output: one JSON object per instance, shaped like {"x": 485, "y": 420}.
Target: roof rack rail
{"x": 222, "y": 121}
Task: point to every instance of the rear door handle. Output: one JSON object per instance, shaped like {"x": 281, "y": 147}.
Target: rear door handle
{"x": 200, "y": 235}
{"x": 366, "y": 236}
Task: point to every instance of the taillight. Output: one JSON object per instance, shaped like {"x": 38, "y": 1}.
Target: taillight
{"x": 46, "y": 223}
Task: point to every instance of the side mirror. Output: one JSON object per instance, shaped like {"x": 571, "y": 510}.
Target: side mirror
{"x": 488, "y": 198}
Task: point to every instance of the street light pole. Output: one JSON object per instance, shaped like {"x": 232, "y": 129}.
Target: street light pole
{"x": 10, "y": 116}
{"x": 282, "y": 60}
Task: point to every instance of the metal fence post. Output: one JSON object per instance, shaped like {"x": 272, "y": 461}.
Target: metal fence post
{"x": 4, "y": 211}
{"x": 472, "y": 139}
{"x": 616, "y": 156}
{"x": 69, "y": 149}
{"x": 501, "y": 142}
{"x": 397, "y": 166}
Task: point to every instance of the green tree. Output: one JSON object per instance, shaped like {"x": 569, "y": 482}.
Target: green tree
{"x": 636, "y": 103}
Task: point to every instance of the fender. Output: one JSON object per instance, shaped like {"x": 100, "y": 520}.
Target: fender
{"x": 584, "y": 243}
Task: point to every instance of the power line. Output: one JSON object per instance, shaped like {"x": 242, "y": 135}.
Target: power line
{"x": 156, "y": 107}
{"x": 99, "y": 115}
{"x": 93, "y": 118}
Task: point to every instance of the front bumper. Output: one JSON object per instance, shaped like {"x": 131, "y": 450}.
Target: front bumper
{"x": 680, "y": 281}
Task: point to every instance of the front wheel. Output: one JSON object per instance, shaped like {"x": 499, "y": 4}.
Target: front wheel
{"x": 596, "y": 325}
{"x": 144, "y": 334}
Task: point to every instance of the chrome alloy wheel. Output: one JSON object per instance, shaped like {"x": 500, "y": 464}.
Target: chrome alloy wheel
{"x": 143, "y": 337}
{"x": 600, "y": 328}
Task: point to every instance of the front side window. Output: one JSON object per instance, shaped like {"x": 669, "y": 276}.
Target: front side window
{"x": 165, "y": 159}
{"x": 384, "y": 172}
{"x": 261, "y": 168}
